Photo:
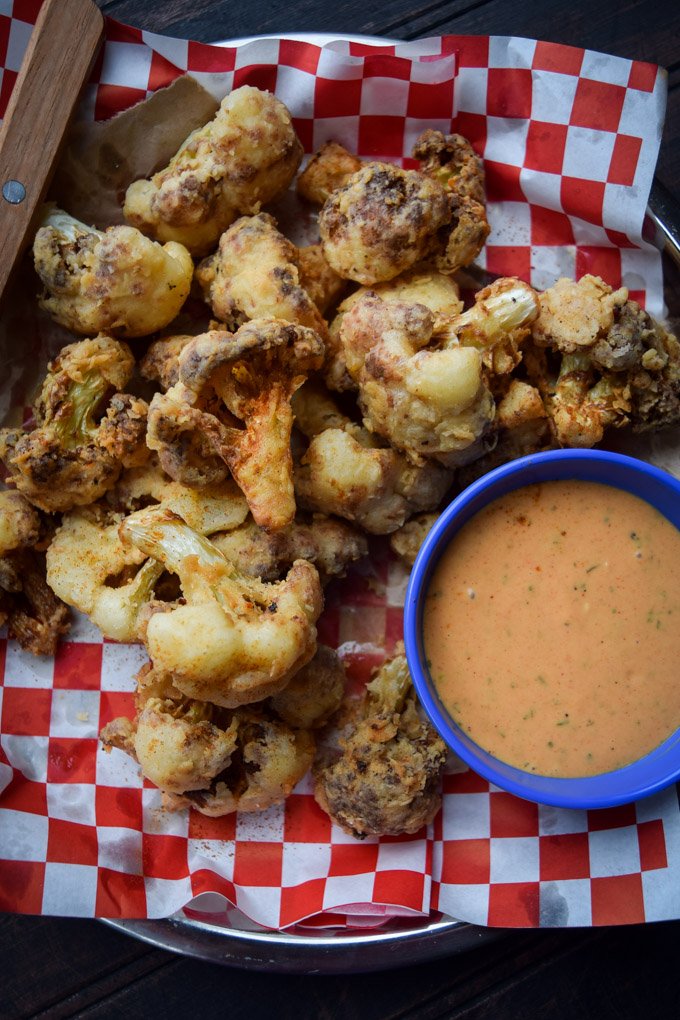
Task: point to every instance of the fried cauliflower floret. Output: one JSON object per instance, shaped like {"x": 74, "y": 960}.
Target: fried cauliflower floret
{"x": 421, "y": 379}
{"x": 582, "y": 405}
{"x": 34, "y": 615}
{"x": 241, "y": 160}
{"x": 451, "y": 160}
{"x": 322, "y": 283}
{"x": 90, "y": 568}
{"x": 160, "y": 364}
{"x": 255, "y": 273}
{"x": 114, "y": 281}
{"x": 406, "y": 542}
{"x": 314, "y": 694}
{"x": 420, "y": 285}
{"x": 86, "y": 432}
{"x": 270, "y": 759}
{"x": 206, "y": 757}
{"x": 617, "y": 365}
{"x": 233, "y": 399}
{"x": 19, "y": 522}
{"x": 329, "y": 544}
{"x": 232, "y": 639}
{"x": 522, "y": 426}
{"x": 381, "y": 222}
{"x": 574, "y": 315}
{"x": 383, "y": 776}
{"x": 349, "y": 472}
{"x": 327, "y": 171}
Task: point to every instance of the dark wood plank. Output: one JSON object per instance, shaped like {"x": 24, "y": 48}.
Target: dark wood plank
{"x": 45, "y": 960}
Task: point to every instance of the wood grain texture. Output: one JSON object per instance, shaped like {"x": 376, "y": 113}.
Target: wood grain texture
{"x": 62, "y": 49}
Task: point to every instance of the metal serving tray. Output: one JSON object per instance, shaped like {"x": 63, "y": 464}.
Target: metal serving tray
{"x": 399, "y": 942}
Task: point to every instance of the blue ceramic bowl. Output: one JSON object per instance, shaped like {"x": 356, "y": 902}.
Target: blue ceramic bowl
{"x": 656, "y": 770}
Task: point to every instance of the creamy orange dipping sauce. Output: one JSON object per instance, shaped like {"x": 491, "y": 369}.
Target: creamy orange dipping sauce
{"x": 552, "y": 628}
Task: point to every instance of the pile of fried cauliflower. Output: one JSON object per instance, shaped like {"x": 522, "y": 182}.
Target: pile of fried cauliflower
{"x": 195, "y": 488}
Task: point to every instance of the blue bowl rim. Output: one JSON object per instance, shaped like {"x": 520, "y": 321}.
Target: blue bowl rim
{"x": 576, "y": 792}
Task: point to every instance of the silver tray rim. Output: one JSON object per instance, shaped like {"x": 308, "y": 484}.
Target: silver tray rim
{"x": 345, "y": 951}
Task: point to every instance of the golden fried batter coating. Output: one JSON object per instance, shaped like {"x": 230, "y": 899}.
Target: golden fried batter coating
{"x": 231, "y": 639}
{"x": 19, "y": 522}
{"x": 161, "y": 362}
{"x": 522, "y": 426}
{"x": 427, "y": 401}
{"x": 34, "y": 615}
{"x": 582, "y": 406}
{"x": 383, "y": 776}
{"x": 451, "y": 160}
{"x": 74, "y": 454}
{"x": 327, "y": 171}
{"x": 406, "y": 542}
{"x": 381, "y": 222}
{"x": 314, "y": 694}
{"x": 422, "y": 378}
{"x": 616, "y": 364}
{"x": 209, "y": 758}
{"x": 421, "y": 285}
{"x": 350, "y": 472}
{"x": 234, "y": 397}
{"x": 115, "y": 281}
{"x": 235, "y": 164}
{"x": 90, "y": 568}
{"x": 322, "y": 283}
{"x": 255, "y": 274}
{"x": 331, "y": 545}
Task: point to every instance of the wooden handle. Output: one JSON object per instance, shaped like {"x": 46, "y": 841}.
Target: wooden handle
{"x": 56, "y": 65}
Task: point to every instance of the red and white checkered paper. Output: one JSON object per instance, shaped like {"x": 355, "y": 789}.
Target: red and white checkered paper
{"x": 570, "y": 140}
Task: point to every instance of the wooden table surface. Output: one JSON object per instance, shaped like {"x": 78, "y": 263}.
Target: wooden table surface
{"x": 56, "y": 967}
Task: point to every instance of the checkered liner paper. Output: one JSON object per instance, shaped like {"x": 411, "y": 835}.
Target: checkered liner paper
{"x": 570, "y": 140}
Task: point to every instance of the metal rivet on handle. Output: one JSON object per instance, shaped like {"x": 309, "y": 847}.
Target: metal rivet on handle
{"x": 13, "y": 192}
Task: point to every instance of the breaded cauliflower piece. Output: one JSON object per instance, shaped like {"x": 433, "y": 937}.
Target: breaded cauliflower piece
{"x": 254, "y": 274}
{"x": 234, "y": 397}
{"x": 34, "y": 615}
{"x": 349, "y": 472}
{"x": 382, "y": 777}
{"x": 74, "y": 455}
{"x": 521, "y": 426}
{"x": 381, "y": 222}
{"x": 90, "y": 568}
{"x": 321, "y": 282}
{"x": 451, "y": 160}
{"x": 314, "y": 694}
{"x": 241, "y": 160}
{"x": 212, "y": 759}
{"x": 327, "y": 171}
{"x": 447, "y": 160}
{"x": 160, "y": 364}
{"x": 232, "y": 639}
{"x": 421, "y": 285}
{"x": 115, "y": 281}
{"x": 574, "y": 315}
{"x": 618, "y": 366}
{"x": 19, "y": 522}
{"x": 406, "y": 542}
{"x": 581, "y": 405}
{"x": 421, "y": 380}
{"x": 331, "y": 545}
